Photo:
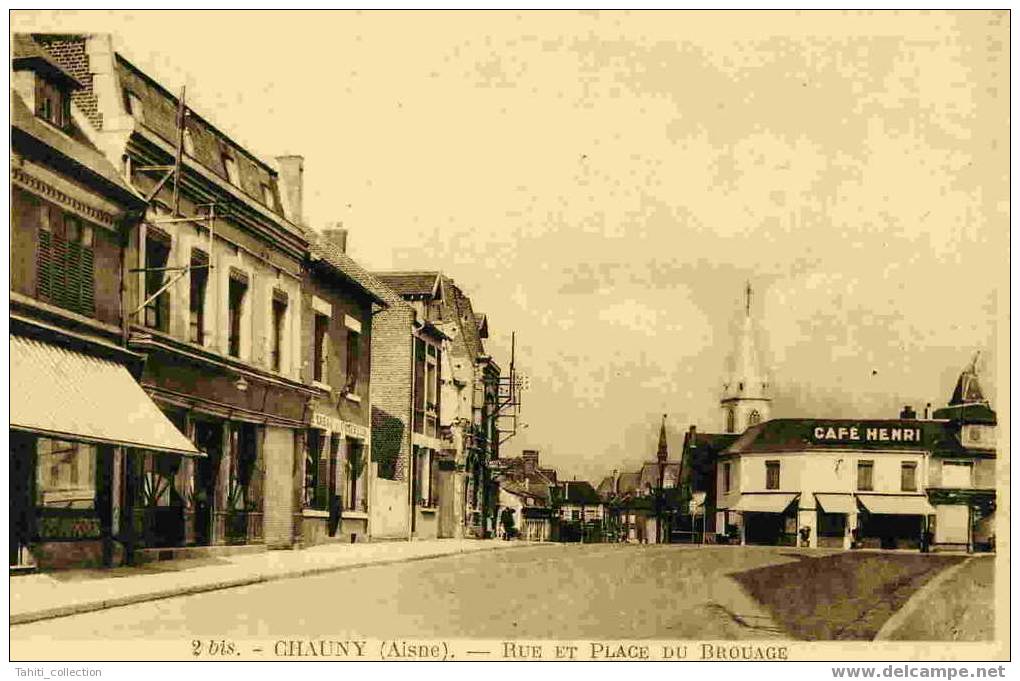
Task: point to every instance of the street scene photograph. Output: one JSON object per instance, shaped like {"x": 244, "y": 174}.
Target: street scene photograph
{"x": 509, "y": 335}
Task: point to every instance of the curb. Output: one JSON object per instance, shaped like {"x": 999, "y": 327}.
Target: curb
{"x": 133, "y": 599}
{"x": 914, "y": 602}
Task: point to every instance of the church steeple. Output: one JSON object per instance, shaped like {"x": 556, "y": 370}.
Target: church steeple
{"x": 745, "y": 400}
{"x": 663, "y": 452}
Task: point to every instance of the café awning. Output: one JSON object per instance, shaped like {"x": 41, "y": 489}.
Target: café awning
{"x": 765, "y": 503}
{"x": 836, "y": 503}
{"x": 63, "y": 394}
{"x": 896, "y": 504}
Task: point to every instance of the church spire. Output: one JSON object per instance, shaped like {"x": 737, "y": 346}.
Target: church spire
{"x": 663, "y": 452}
{"x": 745, "y": 395}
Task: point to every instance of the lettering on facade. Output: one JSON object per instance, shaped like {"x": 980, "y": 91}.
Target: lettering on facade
{"x": 342, "y": 428}
{"x": 866, "y": 434}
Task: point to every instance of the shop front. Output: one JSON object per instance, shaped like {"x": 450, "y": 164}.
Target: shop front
{"x": 893, "y": 521}
{"x": 768, "y": 519}
{"x": 79, "y": 421}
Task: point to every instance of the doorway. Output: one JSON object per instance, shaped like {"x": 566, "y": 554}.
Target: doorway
{"x": 209, "y": 439}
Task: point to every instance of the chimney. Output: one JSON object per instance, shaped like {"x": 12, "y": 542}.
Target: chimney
{"x": 616, "y": 481}
{"x": 292, "y": 180}
{"x": 336, "y": 235}
{"x": 530, "y": 458}
{"x": 927, "y": 411}
{"x": 909, "y": 413}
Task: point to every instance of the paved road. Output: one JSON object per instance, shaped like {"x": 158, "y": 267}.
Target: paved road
{"x": 547, "y": 591}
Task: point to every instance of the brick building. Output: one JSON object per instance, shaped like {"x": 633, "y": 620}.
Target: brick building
{"x": 72, "y": 378}
{"x": 465, "y": 494}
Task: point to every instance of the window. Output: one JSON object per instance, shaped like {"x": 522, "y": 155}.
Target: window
{"x": 771, "y": 475}
{"x": 353, "y": 361}
{"x": 754, "y": 418}
{"x": 316, "y": 472}
{"x": 355, "y": 467}
{"x": 419, "y": 385}
{"x": 236, "y": 292}
{"x": 908, "y": 476}
{"x": 230, "y": 166}
{"x": 244, "y": 491}
{"x": 157, "y": 256}
{"x": 65, "y": 474}
{"x": 727, "y": 480}
{"x": 575, "y": 514}
{"x": 276, "y": 338}
{"x": 865, "y": 475}
{"x": 51, "y": 103}
{"x": 196, "y": 296}
{"x": 267, "y": 196}
{"x": 133, "y": 105}
{"x": 731, "y": 421}
{"x": 431, "y": 384}
{"x": 320, "y": 349}
{"x": 189, "y": 143}
{"x": 65, "y": 260}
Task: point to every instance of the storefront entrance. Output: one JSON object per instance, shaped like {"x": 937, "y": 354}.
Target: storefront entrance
{"x": 769, "y": 529}
{"x": 887, "y": 531}
{"x": 209, "y": 439}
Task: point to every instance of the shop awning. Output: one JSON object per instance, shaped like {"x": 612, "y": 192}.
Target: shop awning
{"x": 69, "y": 395}
{"x": 764, "y": 503}
{"x": 896, "y": 504}
{"x": 836, "y": 503}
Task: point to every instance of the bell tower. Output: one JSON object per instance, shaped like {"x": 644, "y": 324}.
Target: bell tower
{"x": 745, "y": 401}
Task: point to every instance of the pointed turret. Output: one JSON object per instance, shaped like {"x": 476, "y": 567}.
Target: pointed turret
{"x": 663, "y": 452}
{"x": 745, "y": 400}
{"x": 968, "y": 389}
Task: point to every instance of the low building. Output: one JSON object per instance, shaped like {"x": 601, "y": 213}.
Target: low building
{"x": 530, "y": 513}
{"x": 581, "y": 512}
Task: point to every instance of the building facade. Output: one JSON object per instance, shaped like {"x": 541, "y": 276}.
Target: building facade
{"x": 214, "y": 291}
{"x": 80, "y": 420}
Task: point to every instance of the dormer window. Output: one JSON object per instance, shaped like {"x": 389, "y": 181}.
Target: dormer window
{"x": 133, "y": 105}
{"x": 230, "y": 165}
{"x": 51, "y": 103}
{"x": 267, "y": 195}
{"x": 189, "y": 143}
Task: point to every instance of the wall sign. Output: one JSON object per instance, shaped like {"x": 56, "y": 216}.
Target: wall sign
{"x": 861, "y": 433}
{"x": 342, "y": 428}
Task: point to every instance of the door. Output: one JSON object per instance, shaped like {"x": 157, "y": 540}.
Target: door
{"x": 208, "y": 438}
{"x": 22, "y": 494}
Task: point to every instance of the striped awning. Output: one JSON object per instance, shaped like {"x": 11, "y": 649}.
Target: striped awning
{"x": 68, "y": 395}
{"x": 896, "y": 504}
{"x": 765, "y": 503}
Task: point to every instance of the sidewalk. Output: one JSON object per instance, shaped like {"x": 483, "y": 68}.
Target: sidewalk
{"x": 70, "y": 592}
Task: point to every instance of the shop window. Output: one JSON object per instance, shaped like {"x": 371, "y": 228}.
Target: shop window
{"x": 65, "y": 261}
{"x": 575, "y": 514}
{"x": 316, "y": 472}
{"x": 52, "y": 104}
{"x": 908, "y": 476}
{"x": 771, "y": 475}
{"x": 355, "y": 468}
{"x": 157, "y": 256}
{"x": 236, "y": 293}
{"x": 865, "y": 475}
{"x": 320, "y": 355}
{"x": 244, "y": 492}
{"x": 276, "y": 336}
{"x": 65, "y": 475}
{"x": 199, "y": 275}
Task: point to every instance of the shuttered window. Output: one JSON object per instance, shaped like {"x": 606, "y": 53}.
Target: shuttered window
{"x": 65, "y": 261}
{"x": 316, "y": 472}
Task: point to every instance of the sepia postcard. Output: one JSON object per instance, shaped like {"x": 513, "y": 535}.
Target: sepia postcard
{"x": 510, "y": 335}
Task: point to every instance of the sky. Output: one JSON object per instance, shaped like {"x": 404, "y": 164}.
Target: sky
{"x": 605, "y": 183}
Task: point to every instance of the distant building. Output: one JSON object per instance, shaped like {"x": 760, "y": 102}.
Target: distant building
{"x": 582, "y": 513}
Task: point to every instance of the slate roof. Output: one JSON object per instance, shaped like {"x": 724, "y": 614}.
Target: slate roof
{"x": 578, "y": 492}
{"x": 791, "y": 435}
{"x": 72, "y": 150}
{"x": 26, "y": 53}
{"x": 649, "y": 475}
{"x": 410, "y": 283}
{"x": 968, "y": 413}
{"x": 342, "y": 264}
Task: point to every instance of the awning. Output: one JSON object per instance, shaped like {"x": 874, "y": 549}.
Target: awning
{"x": 764, "y": 503}
{"x": 896, "y": 504}
{"x": 68, "y": 395}
{"x": 836, "y": 503}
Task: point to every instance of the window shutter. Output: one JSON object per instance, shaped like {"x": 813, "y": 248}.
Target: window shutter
{"x": 59, "y": 269}
{"x": 44, "y": 266}
{"x": 87, "y": 300}
{"x": 322, "y": 477}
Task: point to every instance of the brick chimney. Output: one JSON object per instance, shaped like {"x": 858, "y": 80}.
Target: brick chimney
{"x": 908, "y": 412}
{"x": 336, "y": 235}
{"x": 292, "y": 180}
{"x": 530, "y": 459}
